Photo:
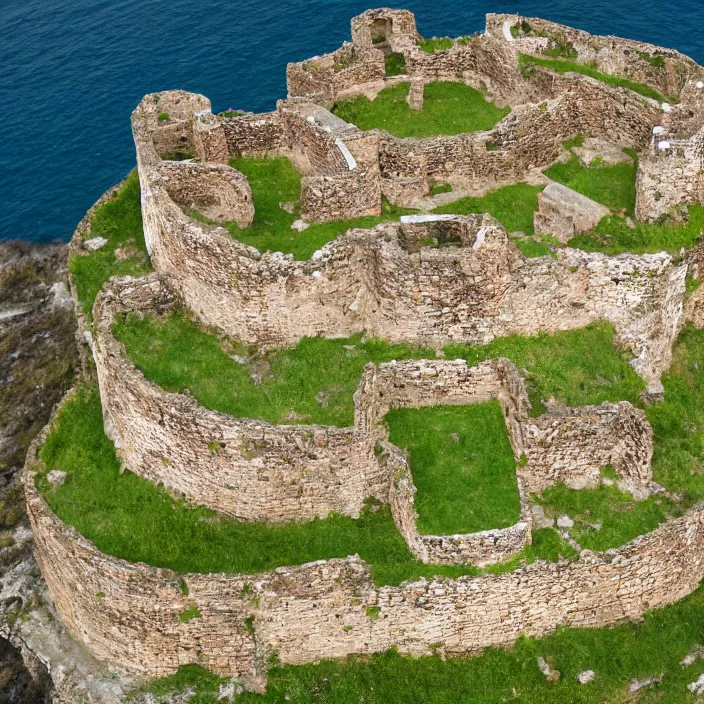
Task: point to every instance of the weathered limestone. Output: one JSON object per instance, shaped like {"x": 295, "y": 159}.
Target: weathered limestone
{"x": 255, "y": 470}
{"x": 565, "y": 213}
{"x": 129, "y": 613}
{"x": 670, "y": 174}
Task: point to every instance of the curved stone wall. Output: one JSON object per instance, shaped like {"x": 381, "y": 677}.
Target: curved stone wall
{"x": 129, "y": 613}
{"x": 611, "y": 55}
{"x": 245, "y": 468}
{"x": 367, "y": 280}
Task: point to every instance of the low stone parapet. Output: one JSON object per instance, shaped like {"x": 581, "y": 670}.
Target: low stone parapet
{"x": 129, "y": 614}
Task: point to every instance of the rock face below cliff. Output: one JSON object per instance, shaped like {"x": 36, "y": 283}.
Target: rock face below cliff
{"x": 38, "y": 358}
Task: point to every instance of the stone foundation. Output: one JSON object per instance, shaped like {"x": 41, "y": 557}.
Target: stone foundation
{"x": 129, "y": 613}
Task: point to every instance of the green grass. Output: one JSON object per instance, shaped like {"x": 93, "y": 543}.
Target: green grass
{"x": 430, "y": 46}
{"x": 462, "y": 465}
{"x": 606, "y": 517}
{"x": 120, "y": 222}
{"x": 513, "y": 206}
{"x": 678, "y": 422}
{"x": 131, "y": 518}
{"x": 613, "y": 186}
{"x": 578, "y": 367}
{"x": 396, "y": 65}
{"x": 533, "y": 248}
{"x": 437, "y": 187}
{"x": 312, "y": 382}
{"x": 617, "y": 654}
{"x": 613, "y": 235}
{"x": 275, "y": 181}
{"x": 449, "y": 108}
{"x": 561, "y": 66}
{"x": 678, "y": 461}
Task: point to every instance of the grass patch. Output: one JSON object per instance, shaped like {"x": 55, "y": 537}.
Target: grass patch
{"x": 179, "y": 154}
{"x": 613, "y": 186}
{"x": 275, "y": 181}
{"x": 547, "y": 544}
{"x": 614, "y": 236}
{"x": 448, "y": 108}
{"x": 462, "y": 465}
{"x": 617, "y": 654}
{"x": 678, "y": 422}
{"x": 430, "y": 46}
{"x": 562, "y": 66}
{"x": 132, "y": 518}
{"x": 312, "y": 382}
{"x": 655, "y": 60}
{"x": 396, "y": 65}
{"x": 513, "y": 206}
{"x": 578, "y": 367}
{"x": 437, "y": 187}
{"x": 533, "y": 248}
{"x": 606, "y": 517}
{"x": 120, "y": 222}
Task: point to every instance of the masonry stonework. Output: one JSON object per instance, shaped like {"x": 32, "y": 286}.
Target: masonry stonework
{"x": 129, "y": 613}
{"x": 425, "y": 280}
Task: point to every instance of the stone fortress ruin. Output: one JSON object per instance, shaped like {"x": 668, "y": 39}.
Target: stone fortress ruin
{"x": 427, "y": 279}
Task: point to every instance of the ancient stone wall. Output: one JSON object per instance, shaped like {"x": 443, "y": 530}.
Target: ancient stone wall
{"x": 384, "y": 26}
{"x": 671, "y": 173}
{"x": 251, "y": 135}
{"x": 367, "y": 280}
{"x": 572, "y": 445}
{"x": 325, "y": 79}
{"x": 215, "y": 190}
{"x": 245, "y": 468}
{"x": 664, "y": 69}
{"x": 530, "y": 137}
{"x": 129, "y": 614}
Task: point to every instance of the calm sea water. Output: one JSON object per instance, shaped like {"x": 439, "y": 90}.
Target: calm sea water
{"x": 71, "y": 72}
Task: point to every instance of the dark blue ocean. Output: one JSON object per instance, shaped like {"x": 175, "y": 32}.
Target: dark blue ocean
{"x": 71, "y": 71}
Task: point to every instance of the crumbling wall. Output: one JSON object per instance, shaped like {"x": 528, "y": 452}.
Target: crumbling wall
{"x": 572, "y": 445}
{"x": 214, "y": 190}
{"x": 325, "y": 79}
{"x": 128, "y": 613}
{"x": 530, "y": 137}
{"x": 664, "y": 69}
{"x": 367, "y": 281}
{"x": 245, "y": 468}
{"x": 253, "y": 135}
{"x": 384, "y": 27}
{"x": 671, "y": 173}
